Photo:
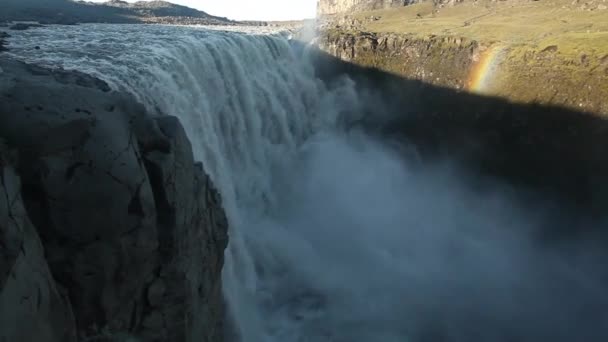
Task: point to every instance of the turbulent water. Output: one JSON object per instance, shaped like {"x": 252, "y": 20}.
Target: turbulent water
{"x": 333, "y": 235}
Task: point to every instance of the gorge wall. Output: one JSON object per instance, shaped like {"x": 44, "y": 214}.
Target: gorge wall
{"x": 525, "y": 75}
{"x": 108, "y": 228}
{"x": 529, "y": 52}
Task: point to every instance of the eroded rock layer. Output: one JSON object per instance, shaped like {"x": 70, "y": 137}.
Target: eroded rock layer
{"x": 522, "y": 74}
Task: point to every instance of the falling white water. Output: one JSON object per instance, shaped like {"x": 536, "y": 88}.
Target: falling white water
{"x": 333, "y": 237}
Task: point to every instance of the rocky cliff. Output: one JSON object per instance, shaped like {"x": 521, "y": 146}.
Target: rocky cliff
{"x": 108, "y": 228}
{"x": 524, "y": 51}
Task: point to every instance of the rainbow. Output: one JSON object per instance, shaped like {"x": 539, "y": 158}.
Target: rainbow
{"x": 481, "y": 73}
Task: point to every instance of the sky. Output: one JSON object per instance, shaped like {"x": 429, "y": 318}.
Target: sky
{"x": 252, "y": 9}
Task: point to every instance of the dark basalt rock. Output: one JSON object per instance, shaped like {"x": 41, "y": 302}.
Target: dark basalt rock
{"x": 115, "y": 201}
{"x": 32, "y": 306}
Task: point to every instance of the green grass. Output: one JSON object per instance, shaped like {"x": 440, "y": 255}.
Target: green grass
{"x": 573, "y": 72}
{"x": 535, "y": 23}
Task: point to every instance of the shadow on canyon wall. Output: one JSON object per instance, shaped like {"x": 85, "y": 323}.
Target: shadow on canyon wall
{"x": 551, "y": 152}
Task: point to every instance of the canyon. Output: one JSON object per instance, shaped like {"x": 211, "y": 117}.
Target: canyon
{"x": 435, "y": 171}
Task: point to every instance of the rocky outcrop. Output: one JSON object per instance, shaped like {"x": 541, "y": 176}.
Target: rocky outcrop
{"x": 434, "y": 60}
{"x": 132, "y": 230}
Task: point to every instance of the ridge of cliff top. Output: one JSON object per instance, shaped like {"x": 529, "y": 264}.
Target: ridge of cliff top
{"x": 574, "y": 25}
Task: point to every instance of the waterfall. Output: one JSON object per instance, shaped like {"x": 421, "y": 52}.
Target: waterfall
{"x": 333, "y": 235}
{"x": 247, "y": 101}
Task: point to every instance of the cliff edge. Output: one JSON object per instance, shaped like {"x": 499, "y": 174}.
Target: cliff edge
{"x": 108, "y": 228}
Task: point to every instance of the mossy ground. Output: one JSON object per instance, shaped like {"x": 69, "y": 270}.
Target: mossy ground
{"x": 529, "y": 22}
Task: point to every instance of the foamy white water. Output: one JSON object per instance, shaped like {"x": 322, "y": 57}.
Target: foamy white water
{"x": 333, "y": 237}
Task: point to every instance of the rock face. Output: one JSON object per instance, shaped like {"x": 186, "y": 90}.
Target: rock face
{"x": 32, "y": 306}
{"x": 522, "y": 74}
{"x": 442, "y": 61}
{"x": 132, "y": 231}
